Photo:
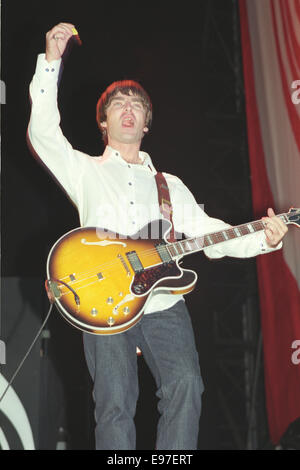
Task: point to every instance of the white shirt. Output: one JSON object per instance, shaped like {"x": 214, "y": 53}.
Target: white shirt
{"x": 111, "y": 193}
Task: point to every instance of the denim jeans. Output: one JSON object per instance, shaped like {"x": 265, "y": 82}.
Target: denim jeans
{"x": 167, "y": 343}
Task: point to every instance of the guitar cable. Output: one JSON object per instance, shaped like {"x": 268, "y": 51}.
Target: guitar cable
{"x": 51, "y": 298}
{"x": 27, "y": 353}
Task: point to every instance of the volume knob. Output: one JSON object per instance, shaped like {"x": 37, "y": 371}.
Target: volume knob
{"x": 138, "y": 288}
{"x": 126, "y": 310}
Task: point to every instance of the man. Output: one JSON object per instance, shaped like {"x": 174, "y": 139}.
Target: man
{"x": 118, "y": 191}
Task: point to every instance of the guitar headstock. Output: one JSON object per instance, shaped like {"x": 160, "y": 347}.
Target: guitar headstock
{"x": 294, "y": 216}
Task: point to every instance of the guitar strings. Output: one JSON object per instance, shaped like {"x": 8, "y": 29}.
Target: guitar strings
{"x": 143, "y": 253}
{"x": 91, "y": 283}
{"x": 258, "y": 225}
{"x": 150, "y": 252}
{"x": 110, "y": 267}
{"x": 95, "y": 269}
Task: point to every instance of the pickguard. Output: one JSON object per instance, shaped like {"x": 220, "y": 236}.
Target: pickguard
{"x": 146, "y": 279}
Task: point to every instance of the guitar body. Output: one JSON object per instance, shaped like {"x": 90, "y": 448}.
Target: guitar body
{"x": 101, "y": 281}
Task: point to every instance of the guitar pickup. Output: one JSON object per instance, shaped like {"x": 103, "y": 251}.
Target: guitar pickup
{"x": 163, "y": 253}
{"x": 134, "y": 261}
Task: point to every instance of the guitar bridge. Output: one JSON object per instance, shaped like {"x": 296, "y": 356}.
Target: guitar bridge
{"x": 125, "y": 265}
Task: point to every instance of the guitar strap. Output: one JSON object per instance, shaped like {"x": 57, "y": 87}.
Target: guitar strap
{"x": 164, "y": 202}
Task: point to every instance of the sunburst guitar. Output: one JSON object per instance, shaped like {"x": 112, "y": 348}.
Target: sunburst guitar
{"x": 101, "y": 281}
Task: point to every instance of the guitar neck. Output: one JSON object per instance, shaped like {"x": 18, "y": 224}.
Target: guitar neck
{"x": 192, "y": 245}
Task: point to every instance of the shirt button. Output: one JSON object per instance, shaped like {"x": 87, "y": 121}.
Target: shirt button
{"x": 129, "y": 166}
{"x": 131, "y": 202}
{"x": 52, "y": 70}
{"x": 130, "y": 184}
{"x": 42, "y": 91}
{"x": 47, "y": 70}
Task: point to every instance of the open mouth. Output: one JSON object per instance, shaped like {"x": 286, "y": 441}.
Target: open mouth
{"x": 128, "y": 122}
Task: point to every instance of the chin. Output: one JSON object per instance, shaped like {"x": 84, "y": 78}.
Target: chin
{"x": 130, "y": 139}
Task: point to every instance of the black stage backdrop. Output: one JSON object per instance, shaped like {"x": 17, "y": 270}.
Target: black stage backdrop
{"x": 160, "y": 45}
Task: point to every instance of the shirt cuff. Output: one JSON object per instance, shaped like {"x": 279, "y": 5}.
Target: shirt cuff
{"x": 265, "y": 248}
{"x": 45, "y": 71}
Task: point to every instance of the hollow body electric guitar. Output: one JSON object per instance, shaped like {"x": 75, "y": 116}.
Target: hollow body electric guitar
{"x": 101, "y": 281}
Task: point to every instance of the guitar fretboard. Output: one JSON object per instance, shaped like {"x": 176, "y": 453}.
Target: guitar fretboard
{"x": 192, "y": 245}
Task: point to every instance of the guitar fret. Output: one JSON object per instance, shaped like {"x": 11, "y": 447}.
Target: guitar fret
{"x": 175, "y": 249}
{"x": 258, "y": 225}
{"x": 244, "y": 229}
{"x": 169, "y": 250}
{"x": 207, "y": 238}
{"x": 190, "y": 245}
{"x": 220, "y": 237}
{"x": 200, "y": 243}
{"x": 196, "y": 244}
{"x": 186, "y": 246}
{"x": 230, "y": 233}
{"x": 179, "y": 248}
{"x": 193, "y": 244}
{"x": 172, "y": 250}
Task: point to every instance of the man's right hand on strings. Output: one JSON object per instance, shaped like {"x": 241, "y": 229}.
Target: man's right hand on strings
{"x": 57, "y": 39}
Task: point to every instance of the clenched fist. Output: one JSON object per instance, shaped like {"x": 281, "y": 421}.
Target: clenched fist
{"x": 57, "y": 39}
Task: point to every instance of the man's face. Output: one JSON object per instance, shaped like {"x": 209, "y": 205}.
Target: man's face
{"x": 125, "y": 120}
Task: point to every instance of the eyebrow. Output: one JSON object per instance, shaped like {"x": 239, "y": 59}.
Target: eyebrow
{"x": 122, "y": 98}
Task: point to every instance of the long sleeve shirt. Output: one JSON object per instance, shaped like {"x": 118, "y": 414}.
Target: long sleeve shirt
{"x": 114, "y": 194}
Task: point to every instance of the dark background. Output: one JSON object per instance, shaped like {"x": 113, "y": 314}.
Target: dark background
{"x": 183, "y": 54}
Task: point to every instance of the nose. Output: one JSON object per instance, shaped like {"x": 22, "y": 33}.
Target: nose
{"x": 127, "y": 105}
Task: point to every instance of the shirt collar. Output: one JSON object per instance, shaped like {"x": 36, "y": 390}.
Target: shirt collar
{"x": 146, "y": 164}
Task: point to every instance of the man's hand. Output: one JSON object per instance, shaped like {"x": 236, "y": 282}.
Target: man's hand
{"x": 57, "y": 39}
{"x": 275, "y": 229}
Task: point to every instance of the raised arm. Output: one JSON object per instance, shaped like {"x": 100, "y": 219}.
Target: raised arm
{"x": 45, "y": 138}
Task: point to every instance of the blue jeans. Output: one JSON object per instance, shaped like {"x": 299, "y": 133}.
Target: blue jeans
{"x": 167, "y": 342}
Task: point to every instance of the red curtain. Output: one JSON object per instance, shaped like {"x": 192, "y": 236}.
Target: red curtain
{"x": 270, "y": 32}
